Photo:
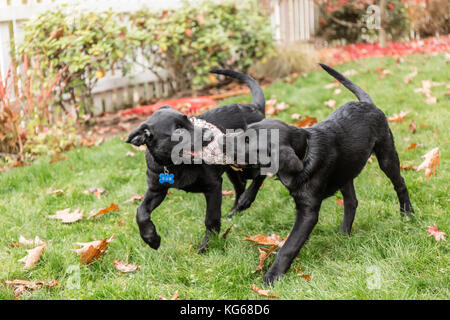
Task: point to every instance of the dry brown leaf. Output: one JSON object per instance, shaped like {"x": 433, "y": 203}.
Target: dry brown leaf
{"x": 130, "y": 154}
{"x": 261, "y": 292}
{"x": 20, "y": 286}
{"x": 430, "y": 163}
{"x": 56, "y": 192}
{"x": 174, "y": 297}
{"x": 224, "y": 236}
{"x": 332, "y": 85}
{"x": 271, "y": 240}
{"x": 307, "y": 122}
{"x": 57, "y": 158}
{"x": 93, "y": 250}
{"x": 413, "y": 127}
{"x": 67, "y": 217}
{"x": 95, "y": 191}
{"x": 263, "y": 254}
{"x": 300, "y": 273}
{"x": 136, "y": 197}
{"x": 399, "y": 117}
{"x": 296, "y": 116}
{"x": 337, "y": 91}
{"x": 407, "y": 167}
{"x": 33, "y": 256}
{"x": 412, "y": 146}
{"x": 25, "y": 242}
{"x": 330, "y": 103}
{"x": 124, "y": 267}
{"x": 408, "y": 78}
{"x": 112, "y": 207}
{"x": 227, "y": 193}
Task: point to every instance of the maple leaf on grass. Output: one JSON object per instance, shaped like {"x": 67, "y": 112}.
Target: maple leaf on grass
{"x": 136, "y": 197}
{"x": 130, "y": 154}
{"x": 227, "y": 193}
{"x": 68, "y": 217}
{"x": 271, "y": 240}
{"x": 124, "y": 267}
{"x": 263, "y": 255}
{"x": 430, "y": 163}
{"x": 57, "y": 158}
{"x": 399, "y": 117}
{"x": 93, "y": 250}
{"x": 20, "y": 286}
{"x": 95, "y": 191}
{"x": 341, "y": 202}
{"x": 264, "y": 293}
{"x": 27, "y": 242}
{"x": 301, "y": 274}
{"x": 433, "y": 232}
{"x": 33, "y": 256}
{"x": 307, "y": 122}
{"x": 174, "y": 297}
{"x": 330, "y": 103}
{"x": 112, "y": 207}
{"x": 413, "y": 127}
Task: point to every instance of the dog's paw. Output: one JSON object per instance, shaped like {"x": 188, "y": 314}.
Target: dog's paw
{"x": 154, "y": 242}
{"x": 244, "y": 203}
{"x": 269, "y": 278}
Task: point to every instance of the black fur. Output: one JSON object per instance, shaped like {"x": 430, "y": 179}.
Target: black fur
{"x": 156, "y": 134}
{"x": 317, "y": 162}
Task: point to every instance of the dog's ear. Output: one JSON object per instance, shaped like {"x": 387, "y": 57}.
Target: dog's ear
{"x": 139, "y": 136}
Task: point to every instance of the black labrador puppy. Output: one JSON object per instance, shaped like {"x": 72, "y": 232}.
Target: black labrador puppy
{"x": 157, "y": 132}
{"x": 316, "y": 162}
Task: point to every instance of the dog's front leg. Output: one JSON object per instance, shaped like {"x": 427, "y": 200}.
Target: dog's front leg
{"x": 147, "y": 229}
{"x": 307, "y": 215}
{"x": 213, "y": 213}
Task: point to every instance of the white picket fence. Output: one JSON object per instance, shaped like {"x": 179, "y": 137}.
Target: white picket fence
{"x": 292, "y": 20}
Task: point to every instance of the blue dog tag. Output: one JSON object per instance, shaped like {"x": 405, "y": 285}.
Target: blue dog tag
{"x": 166, "y": 177}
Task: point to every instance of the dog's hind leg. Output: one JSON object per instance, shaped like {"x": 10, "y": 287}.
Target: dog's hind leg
{"x": 213, "y": 213}
{"x": 239, "y": 188}
{"x": 390, "y": 164}
{"x": 350, "y": 205}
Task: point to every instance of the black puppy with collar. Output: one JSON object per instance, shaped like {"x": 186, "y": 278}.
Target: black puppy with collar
{"x": 156, "y": 133}
{"x": 316, "y": 162}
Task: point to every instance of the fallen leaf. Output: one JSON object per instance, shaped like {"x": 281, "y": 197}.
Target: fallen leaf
{"x": 263, "y": 254}
{"x": 212, "y": 78}
{"x": 25, "y": 242}
{"x": 307, "y": 122}
{"x": 124, "y": 267}
{"x": 433, "y": 232}
{"x": 130, "y": 154}
{"x": 337, "y": 91}
{"x": 430, "y": 163}
{"x": 93, "y": 250}
{"x": 431, "y": 100}
{"x": 57, "y": 158}
{"x": 120, "y": 222}
{"x": 332, "y": 85}
{"x": 67, "y": 217}
{"x": 399, "y": 117}
{"x": 408, "y": 78}
{"x": 261, "y": 292}
{"x": 227, "y": 193}
{"x": 112, "y": 207}
{"x": 56, "y": 192}
{"x": 350, "y": 72}
{"x": 224, "y": 236}
{"x": 135, "y": 198}
{"x": 174, "y": 297}
{"x": 412, "y": 146}
{"x": 271, "y": 240}
{"x": 20, "y": 286}
{"x": 408, "y": 167}
{"x": 33, "y": 256}
{"x": 330, "y": 103}
{"x": 96, "y": 191}
{"x": 413, "y": 127}
{"x": 300, "y": 273}
{"x": 296, "y": 116}
{"x": 341, "y": 202}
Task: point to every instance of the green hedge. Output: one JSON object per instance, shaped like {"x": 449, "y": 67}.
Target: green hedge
{"x": 186, "y": 42}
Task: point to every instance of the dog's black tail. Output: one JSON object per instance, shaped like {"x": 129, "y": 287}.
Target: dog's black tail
{"x": 357, "y": 91}
{"x": 257, "y": 93}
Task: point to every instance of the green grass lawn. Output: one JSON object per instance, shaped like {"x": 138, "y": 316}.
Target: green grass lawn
{"x": 410, "y": 264}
